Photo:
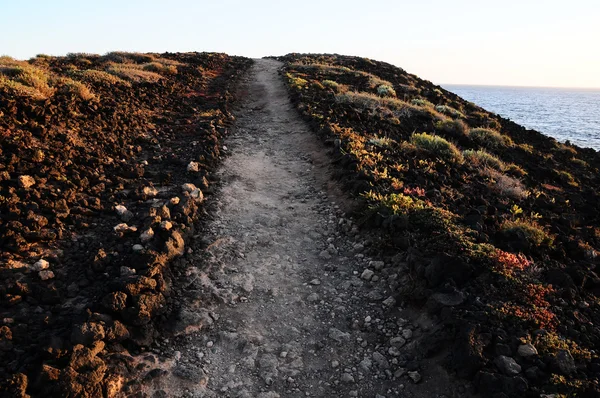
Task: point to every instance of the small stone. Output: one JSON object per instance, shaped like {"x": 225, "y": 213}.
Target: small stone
{"x": 338, "y": 335}
{"x": 394, "y": 351}
{"x": 335, "y": 364}
{"x": 527, "y": 350}
{"x": 415, "y": 376}
{"x": 123, "y": 228}
{"x": 187, "y": 187}
{"x": 312, "y": 297}
{"x": 347, "y": 378}
{"x": 123, "y": 213}
{"x": 210, "y": 344}
{"x": 366, "y": 364}
{"x": 397, "y": 341}
{"x": 138, "y": 248}
{"x": 407, "y": 334}
{"x": 389, "y": 302}
{"x": 166, "y": 225}
{"x": 193, "y": 167}
{"x": 325, "y": 255}
{"x": 45, "y": 275}
{"x": 126, "y": 271}
{"x": 562, "y": 362}
{"x": 367, "y": 274}
{"x": 175, "y": 200}
{"x": 40, "y": 265}
{"x": 399, "y": 373}
{"x": 147, "y": 235}
{"x": 359, "y": 247}
{"x": 149, "y": 192}
{"x": 197, "y": 195}
{"x": 26, "y": 181}
{"x": 381, "y": 361}
{"x": 315, "y": 282}
{"x": 378, "y": 265}
{"x": 507, "y": 365}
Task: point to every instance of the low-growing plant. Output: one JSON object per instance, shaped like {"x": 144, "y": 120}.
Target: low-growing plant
{"x": 335, "y": 86}
{"x": 579, "y": 162}
{"x": 381, "y": 141}
{"x": 504, "y": 185}
{"x": 421, "y": 102}
{"x": 454, "y": 127}
{"x": 448, "y": 110}
{"x": 566, "y": 177}
{"x": 490, "y": 139}
{"x": 99, "y": 77}
{"x": 133, "y": 73}
{"x": 515, "y": 170}
{"x": 73, "y": 87}
{"x": 481, "y": 158}
{"x": 533, "y": 232}
{"x": 385, "y": 91}
{"x": 437, "y": 145}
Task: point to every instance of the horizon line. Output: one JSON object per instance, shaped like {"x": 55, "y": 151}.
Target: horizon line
{"x": 518, "y": 86}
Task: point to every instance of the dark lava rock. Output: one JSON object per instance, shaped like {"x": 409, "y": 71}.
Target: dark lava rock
{"x": 507, "y": 365}
{"x": 87, "y": 333}
{"x": 562, "y": 362}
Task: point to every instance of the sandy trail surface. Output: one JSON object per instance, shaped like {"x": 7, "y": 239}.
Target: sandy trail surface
{"x": 280, "y": 298}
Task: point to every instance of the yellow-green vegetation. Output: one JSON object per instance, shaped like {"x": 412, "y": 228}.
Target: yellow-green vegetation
{"x": 454, "y": 127}
{"x": 551, "y": 342}
{"x": 99, "y": 77}
{"x": 531, "y": 230}
{"x": 449, "y": 111}
{"x": 421, "y": 102}
{"x": 381, "y": 141}
{"x": 437, "y": 146}
{"x": 73, "y": 87}
{"x": 133, "y": 72}
{"x": 482, "y": 158}
{"x": 335, "y": 86}
{"x": 385, "y": 91}
{"x": 24, "y": 79}
{"x": 490, "y": 139}
{"x": 567, "y": 177}
{"x": 296, "y": 82}
{"x": 397, "y": 203}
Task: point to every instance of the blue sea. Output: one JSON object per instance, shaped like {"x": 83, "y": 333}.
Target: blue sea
{"x": 562, "y": 113}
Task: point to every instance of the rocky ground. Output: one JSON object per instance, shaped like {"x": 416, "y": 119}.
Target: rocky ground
{"x": 283, "y": 296}
{"x": 104, "y": 164}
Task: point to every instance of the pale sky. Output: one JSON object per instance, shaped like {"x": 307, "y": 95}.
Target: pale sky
{"x": 510, "y": 42}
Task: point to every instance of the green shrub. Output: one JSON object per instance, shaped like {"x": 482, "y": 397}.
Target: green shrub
{"x": 99, "y": 77}
{"x": 534, "y": 233}
{"x": 421, "y": 102}
{"x": 386, "y": 91}
{"x": 483, "y": 158}
{"x": 489, "y": 138}
{"x": 133, "y": 73}
{"x": 438, "y": 146}
{"x": 332, "y": 85}
{"x": 449, "y": 111}
{"x": 454, "y": 127}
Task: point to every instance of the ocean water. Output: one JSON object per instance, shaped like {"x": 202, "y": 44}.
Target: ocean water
{"x": 562, "y": 113}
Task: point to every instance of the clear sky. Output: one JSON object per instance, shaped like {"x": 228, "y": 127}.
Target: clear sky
{"x": 509, "y": 42}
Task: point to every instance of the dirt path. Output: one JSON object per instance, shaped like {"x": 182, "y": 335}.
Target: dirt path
{"x": 289, "y": 306}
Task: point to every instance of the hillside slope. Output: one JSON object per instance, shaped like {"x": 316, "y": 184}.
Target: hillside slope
{"x": 94, "y": 152}
{"x": 497, "y": 225}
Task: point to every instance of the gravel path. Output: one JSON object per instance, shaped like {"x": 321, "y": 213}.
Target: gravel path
{"x": 286, "y": 303}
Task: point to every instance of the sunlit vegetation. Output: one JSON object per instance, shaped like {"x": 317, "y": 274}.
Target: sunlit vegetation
{"x": 489, "y": 138}
{"x": 461, "y": 181}
{"x": 438, "y": 146}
